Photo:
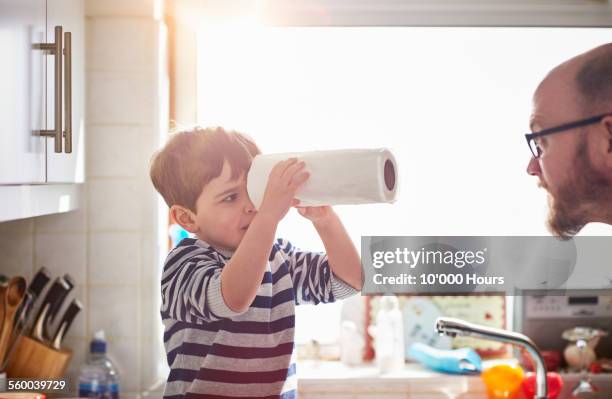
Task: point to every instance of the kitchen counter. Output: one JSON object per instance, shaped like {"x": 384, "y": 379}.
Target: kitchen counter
{"x": 334, "y": 380}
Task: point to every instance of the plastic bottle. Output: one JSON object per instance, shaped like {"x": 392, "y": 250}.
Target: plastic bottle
{"x": 101, "y": 370}
{"x": 389, "y": 336}
{"x": 351, "y": 344}
{"x": 92, "y": 381}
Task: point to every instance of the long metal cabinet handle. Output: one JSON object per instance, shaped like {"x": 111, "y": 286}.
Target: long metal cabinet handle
{"x": 68, "y": 92}
{"x": 55, "y": 49}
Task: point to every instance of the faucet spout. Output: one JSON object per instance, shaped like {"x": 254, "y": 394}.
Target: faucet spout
{"x": 454, "y": 327}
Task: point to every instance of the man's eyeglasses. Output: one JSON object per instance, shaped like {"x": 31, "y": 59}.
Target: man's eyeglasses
{"x": 531, "y": 137}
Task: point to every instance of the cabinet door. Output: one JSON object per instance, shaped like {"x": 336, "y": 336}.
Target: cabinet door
{"x": 22, "y": 88}
{"x": 63, "y": 167}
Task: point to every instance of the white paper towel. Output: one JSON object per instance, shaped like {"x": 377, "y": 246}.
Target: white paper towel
{"x": 354, "y": 176}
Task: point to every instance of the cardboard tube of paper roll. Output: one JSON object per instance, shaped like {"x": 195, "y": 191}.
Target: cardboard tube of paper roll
{"x": 354, "y": 176}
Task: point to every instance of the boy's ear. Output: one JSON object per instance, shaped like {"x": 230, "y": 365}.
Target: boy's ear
{"x": 184, "y": 217}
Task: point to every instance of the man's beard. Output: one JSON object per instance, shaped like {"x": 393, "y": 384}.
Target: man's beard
{"x": 585, "y": 190}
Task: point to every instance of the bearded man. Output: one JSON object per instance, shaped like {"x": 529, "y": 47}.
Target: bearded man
{"x": 571, "y": 141}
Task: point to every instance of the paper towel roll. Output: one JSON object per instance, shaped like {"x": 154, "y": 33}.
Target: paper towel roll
{"x": 355, "y": 176}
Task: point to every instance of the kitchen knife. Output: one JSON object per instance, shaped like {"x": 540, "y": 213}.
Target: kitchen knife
{"x": 74, "y": 308}
{"x": 56, "y": 306}
{"x": 36, "y": 287}
{"x": 56, "y": 291}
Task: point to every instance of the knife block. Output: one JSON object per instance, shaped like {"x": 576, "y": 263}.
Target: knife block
{"x": 33, "y": 359}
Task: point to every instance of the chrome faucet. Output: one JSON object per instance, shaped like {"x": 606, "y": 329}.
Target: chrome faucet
{"x": 453, "y": 327}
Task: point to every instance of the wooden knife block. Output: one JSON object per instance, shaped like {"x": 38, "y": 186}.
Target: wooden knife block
{"x": 33, "y": 359}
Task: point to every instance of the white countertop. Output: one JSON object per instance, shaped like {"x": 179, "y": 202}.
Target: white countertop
{"x": 332, "y": 379}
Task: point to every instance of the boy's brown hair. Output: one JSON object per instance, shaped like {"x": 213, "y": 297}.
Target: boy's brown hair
{"x": 193, "y": 157}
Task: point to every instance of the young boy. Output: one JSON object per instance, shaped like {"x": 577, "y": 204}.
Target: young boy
{"x": 229, "y": 295}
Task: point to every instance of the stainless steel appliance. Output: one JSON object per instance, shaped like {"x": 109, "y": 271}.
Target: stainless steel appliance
{"x": 544, "y": 318}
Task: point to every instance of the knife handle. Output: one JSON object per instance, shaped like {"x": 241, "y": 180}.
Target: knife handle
{"x": 37, "y": 330}
{"x": 38, "y": 283}
{"x": 57, "y": 303}
{"x": 36, "y": 287}
{"x": 56, "y": 290}
{"x": 71, "y": 313}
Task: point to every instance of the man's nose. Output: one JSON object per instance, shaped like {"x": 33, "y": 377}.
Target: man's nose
{"x": 533, "y": 167}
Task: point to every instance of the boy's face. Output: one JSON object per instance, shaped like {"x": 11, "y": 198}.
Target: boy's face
{"x": 224, "y": 210}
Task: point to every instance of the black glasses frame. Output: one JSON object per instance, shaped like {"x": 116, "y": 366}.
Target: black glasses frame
{"x": 530, "y": 137}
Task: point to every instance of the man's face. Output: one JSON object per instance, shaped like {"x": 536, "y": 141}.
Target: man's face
{"x": 564, "y": 168}
{"x": 224, "y": 210}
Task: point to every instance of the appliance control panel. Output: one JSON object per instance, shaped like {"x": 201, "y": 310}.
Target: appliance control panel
{"x": 562, "y": 307}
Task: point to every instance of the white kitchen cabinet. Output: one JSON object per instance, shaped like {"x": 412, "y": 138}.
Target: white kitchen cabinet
{"x": 22, "y": 92}
{"x": 28, "y": 83}
{"x": 34, "y": 178}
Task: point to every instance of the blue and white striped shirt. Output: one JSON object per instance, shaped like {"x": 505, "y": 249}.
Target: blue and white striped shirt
{"x": 214, "y": 352}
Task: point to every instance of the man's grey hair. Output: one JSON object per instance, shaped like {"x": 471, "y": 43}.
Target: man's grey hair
{"x": 594, "y": 80}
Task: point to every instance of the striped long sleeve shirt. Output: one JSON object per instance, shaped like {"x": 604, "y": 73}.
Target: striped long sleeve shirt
{"x": 215, "y": 352}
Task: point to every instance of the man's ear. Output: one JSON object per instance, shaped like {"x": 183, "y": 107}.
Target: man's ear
{"x": 184, "y": 217}
{"x": 607, "y": 124}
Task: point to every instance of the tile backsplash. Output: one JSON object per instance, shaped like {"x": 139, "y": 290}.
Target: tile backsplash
{"x": 110, "y": 244}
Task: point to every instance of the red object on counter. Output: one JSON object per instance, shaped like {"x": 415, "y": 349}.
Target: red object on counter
{"x": 554, "y": 381}
{"x": 595, "y": 368}
{"x": 552, "y": 360}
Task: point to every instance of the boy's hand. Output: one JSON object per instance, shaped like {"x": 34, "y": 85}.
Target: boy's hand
{"x": 316, "y": 214}
{"x": 285, "y": 178}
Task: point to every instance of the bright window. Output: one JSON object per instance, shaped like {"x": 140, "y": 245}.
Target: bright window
{"x": 452, "y": 104}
